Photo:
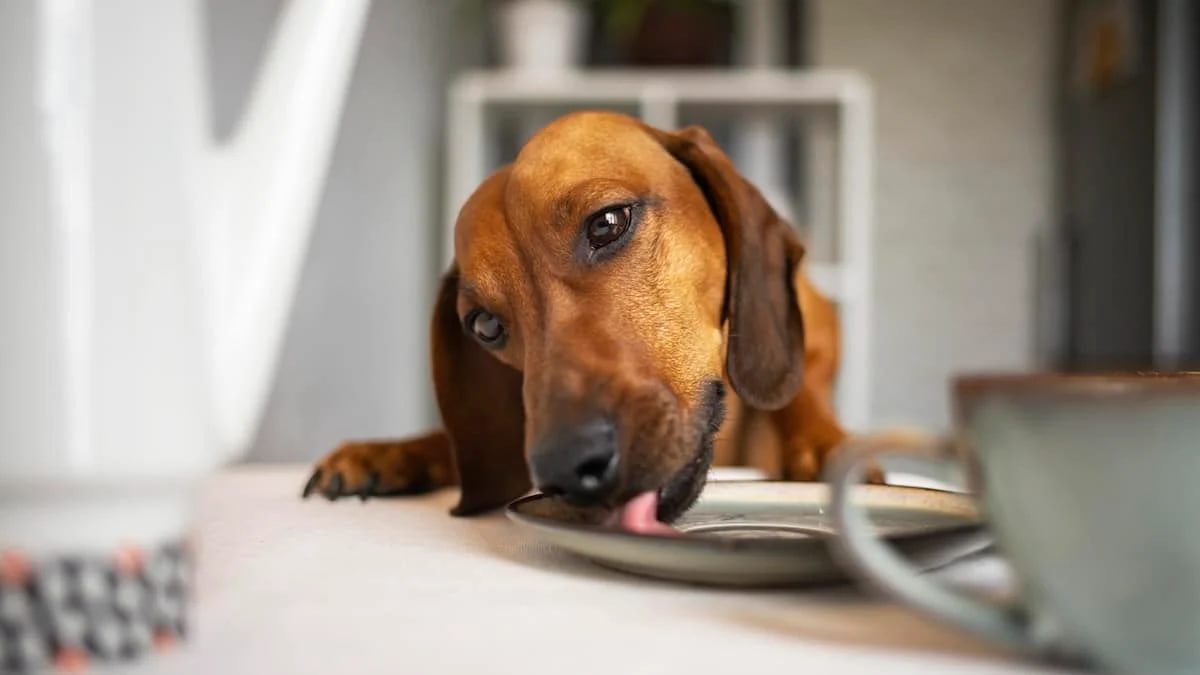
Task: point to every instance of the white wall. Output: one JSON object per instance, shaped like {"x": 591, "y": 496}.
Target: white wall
{"x": 965, "y": 176}
{"x": 355, "y": 358}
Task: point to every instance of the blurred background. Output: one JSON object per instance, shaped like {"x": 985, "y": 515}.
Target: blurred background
{"x": 1032, "y": 178}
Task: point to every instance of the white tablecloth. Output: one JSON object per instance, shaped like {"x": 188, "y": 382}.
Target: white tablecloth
{"x": 399, "y": 587}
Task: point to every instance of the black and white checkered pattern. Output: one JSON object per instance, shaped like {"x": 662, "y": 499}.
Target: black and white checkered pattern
{"x": 72, "y": 610}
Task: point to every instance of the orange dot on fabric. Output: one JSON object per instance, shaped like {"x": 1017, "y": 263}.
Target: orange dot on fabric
{"x": 14, "y": 569}
{"x": 163, "y": 640}
{"x": 129, "y": 560}
{"x": 69, "y": 660}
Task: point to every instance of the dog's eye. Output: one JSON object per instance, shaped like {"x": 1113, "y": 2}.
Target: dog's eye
{"x": 486, "y": 326}
{"x": 607, "y": 226}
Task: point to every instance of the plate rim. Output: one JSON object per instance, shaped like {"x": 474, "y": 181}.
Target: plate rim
{"x": 728, "y": 544}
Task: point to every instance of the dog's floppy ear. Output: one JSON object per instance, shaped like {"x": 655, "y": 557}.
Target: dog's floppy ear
{"x": 479, "y": 399}
{"x": 765, "y": 359}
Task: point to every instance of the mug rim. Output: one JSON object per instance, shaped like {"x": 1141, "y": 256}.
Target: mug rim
{"x": 968, "y": 389}
{"x": 1091, "y": 384}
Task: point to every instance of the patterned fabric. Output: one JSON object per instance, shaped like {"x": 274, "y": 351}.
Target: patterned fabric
{"x": 66, "y": 612}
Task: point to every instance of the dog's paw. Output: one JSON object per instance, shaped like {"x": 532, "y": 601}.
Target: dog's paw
{"x": 381, "y": 469}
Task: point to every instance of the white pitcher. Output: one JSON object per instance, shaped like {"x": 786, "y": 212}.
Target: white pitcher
{"x": 146, "y": 272}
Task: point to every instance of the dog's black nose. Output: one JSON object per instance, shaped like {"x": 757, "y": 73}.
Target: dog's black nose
{"x": 578, "y": 462}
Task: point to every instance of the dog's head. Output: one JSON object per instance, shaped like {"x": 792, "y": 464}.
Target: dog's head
{"x": 606, "y": 284}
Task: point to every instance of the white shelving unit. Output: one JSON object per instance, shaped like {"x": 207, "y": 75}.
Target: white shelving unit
{"x": 657, "y": 97}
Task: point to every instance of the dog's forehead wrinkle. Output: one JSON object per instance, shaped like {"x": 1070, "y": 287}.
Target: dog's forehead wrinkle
{"x": 485, "y": 262}
{"x": 529, "y": 248}
{"x": 583, "y": 198}
{"x": 483, "y": 240}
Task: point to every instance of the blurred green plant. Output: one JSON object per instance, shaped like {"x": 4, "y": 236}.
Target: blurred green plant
{"x": 619, "y": 18}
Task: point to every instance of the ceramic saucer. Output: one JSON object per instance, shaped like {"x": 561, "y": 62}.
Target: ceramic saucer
{"x": 768, "y": 533}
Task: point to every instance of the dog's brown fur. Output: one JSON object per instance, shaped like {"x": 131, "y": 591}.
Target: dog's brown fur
{"x": 709, "y": 287}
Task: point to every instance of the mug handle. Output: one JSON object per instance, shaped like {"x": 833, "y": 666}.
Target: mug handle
{"x": 858, "y": 546}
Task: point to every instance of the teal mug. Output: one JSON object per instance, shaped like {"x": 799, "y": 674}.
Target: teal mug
{"x": 1091, "y": 486}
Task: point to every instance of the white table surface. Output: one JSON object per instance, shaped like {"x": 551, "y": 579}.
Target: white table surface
{"x": 399, "y": 586}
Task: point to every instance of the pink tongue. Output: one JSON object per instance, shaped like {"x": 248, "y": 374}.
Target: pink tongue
{"x": 640, "y": 515}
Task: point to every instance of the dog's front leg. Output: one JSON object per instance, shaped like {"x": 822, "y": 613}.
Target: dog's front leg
{"x": 383, "y": 468}
{"x": 809, "y": 435}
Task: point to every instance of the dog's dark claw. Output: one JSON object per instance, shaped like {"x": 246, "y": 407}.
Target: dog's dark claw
{"x": 334, "y": 489}
{"x": 368, "y": 487}
{"x": 311, "y": 485}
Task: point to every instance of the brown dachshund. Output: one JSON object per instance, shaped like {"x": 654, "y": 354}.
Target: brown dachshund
{"x": 609, "y": 287}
